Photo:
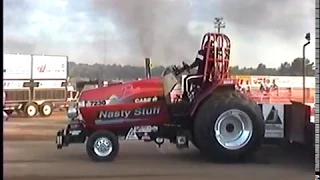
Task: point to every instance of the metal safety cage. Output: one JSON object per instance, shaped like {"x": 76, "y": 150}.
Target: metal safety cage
{"x": 217, "y": 48}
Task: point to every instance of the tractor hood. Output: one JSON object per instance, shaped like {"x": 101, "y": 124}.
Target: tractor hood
{"x": 125, "y": 90}
{"x": 119, "y": 96}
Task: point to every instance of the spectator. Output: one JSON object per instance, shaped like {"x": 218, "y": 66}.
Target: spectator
{"x": 243, "y": 86}
{"x": 264, "y": 86}
{"x": 247, "y": 87}
{"x": 274, "y": 86}
{"x": 239, "y": 84}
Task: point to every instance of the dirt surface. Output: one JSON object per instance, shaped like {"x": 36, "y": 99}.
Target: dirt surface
{"x": 31, "y": 158}
{"x": 37, "y": 128}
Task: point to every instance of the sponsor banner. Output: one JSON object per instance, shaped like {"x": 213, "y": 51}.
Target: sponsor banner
{"x": 16, "y": 66}
{"x": 297, "y": 82}
{"x": 49, "y": 67}
{"x": 137, "y": 132}
{"x": 256, "y": 81}
{"x": 14, "y": 84}
{"x": 243, "y": 78}
{"x": 310, "y": 82}
{"x": 282, "y": 81}
{"x": 50, "y": 84}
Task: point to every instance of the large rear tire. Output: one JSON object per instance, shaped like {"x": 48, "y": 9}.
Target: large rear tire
{"x": 228, "y": 127}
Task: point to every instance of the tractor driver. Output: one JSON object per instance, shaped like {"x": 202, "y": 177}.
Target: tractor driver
{"x": 195, "y": 79}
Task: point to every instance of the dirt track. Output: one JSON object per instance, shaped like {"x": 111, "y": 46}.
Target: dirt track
{"x": 29, "y": 159}
{"x": 37, "y": 128}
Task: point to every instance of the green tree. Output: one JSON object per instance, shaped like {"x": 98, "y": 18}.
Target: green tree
{"x": 114, "y": 71}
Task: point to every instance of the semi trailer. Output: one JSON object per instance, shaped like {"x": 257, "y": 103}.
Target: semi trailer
{"x": 35, "y": 83}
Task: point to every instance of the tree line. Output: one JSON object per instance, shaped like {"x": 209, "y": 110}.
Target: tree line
{"x": 114, "y": 71}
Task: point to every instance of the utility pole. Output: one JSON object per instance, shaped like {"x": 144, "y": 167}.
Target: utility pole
{"x": 219, "y": 24}
{"x": 104, "y": 53}
{"x": 307, "y": 37}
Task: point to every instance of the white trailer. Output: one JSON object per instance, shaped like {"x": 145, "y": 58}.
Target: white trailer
{"x": 35, "y": 83}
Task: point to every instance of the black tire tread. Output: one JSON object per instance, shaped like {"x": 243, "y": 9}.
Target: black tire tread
{"x": 96, "y": 135}
{"x": 203, "y": 120}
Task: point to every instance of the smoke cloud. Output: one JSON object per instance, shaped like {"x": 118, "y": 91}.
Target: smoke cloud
{"x": 158, "y": 29}
{"x": 153, "y": 28}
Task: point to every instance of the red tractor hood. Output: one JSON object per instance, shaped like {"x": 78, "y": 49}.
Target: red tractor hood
{"x": 119, "y": 97}
{"x": 124, "y": 90}
{"x": 110, "y": 107}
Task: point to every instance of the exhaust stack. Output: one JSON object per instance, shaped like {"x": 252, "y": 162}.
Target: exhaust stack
{"x": 148, "y": 68}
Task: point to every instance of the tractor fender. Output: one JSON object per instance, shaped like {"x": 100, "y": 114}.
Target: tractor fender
{"x": 221, "y": 85}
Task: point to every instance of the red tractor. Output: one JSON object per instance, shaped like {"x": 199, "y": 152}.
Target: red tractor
{"x": 222, "y": 123}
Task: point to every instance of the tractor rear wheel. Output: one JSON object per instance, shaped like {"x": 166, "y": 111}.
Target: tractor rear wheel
{"x": 228, "y": 127}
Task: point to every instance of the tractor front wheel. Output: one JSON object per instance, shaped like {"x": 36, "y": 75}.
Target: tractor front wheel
{"x": 228, "y": 127}
{"x": 102, "y": 146}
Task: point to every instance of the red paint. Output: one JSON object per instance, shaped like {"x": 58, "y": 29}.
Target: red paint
{"x": 130, "y": 90}
{"x": 208, "y": 92}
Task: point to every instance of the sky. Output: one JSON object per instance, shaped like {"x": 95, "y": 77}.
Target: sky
{"x": 168, "y": 31}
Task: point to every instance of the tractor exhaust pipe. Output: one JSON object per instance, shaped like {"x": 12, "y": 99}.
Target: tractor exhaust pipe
{"x": 148, "y": 68}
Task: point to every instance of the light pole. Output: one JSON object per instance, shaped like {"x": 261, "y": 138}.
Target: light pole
{"x": 307, "y": 37}
{"x": 219, "y": 24}
{"x": 104, "y": 53}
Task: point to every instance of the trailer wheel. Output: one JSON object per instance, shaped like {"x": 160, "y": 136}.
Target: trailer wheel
{"x": 30, "y": 109}
{"x": 229, "y": 127}
{"x": 102, "y": 146}
{"x": 46, "y": 109}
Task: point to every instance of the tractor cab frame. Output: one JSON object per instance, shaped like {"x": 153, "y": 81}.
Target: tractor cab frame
{"x": 216, "y": 48}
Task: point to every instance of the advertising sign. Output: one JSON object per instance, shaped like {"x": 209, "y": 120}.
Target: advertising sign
{"x": 243, "y": 78}
{"x": 310, "y": 82}
{"x": 49, "y": 67}
{"x": 46, "y": 84}
{"x": 257, "y": 80}
{"x": 283, "y": 81}
{"x": 16, "y": 66}
{"x": 295, "y": 81}
{"x": 274, "y": 120}
{"x": 14, "y": 84}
